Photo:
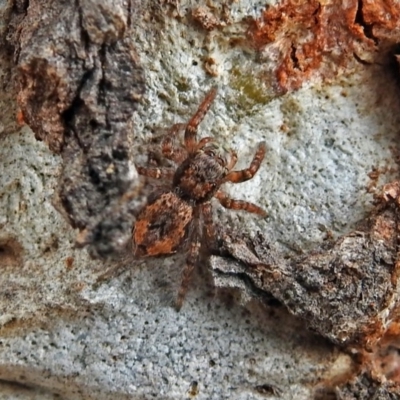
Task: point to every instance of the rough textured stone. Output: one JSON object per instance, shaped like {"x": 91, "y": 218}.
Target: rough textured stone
{"x": 63, "y": 330}
{"x": 345, "y": 291}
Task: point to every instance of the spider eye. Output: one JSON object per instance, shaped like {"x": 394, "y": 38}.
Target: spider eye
{"x": 221, "y": 161}
{"x": 210, "y": 153}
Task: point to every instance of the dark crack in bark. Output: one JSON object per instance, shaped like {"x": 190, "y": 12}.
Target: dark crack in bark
{"x": 80, "y": 81}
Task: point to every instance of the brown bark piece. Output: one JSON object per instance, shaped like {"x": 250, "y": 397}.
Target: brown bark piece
{"x": 307, "y": 39}
{"x": 382, "y": 19}
{"x": 79, "y": 84}
{"x": 365, "y": 387}
{"x": 344, "y": 292}
{"x": 206, "y": 19}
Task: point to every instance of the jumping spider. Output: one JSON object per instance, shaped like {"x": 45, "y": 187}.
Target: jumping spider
{"x": 180, "y": 214}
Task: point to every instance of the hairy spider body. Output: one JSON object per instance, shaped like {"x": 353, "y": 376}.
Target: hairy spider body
{"x": 198, "y": 178}
{"x": 172, "y": 218}
{"x": 156, "y": 232}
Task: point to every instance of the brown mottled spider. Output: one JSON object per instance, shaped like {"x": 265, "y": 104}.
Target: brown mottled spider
{"x": 174, "y": 216}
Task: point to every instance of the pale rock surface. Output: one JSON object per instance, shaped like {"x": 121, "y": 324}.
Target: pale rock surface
{"x": 63, "y": 334}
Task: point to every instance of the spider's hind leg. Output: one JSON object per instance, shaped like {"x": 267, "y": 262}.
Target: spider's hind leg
{"x": 155, "y": 173}
{"x": 210, "y": 232}
{"x": 187, "y": 272}
{"x": 232, "y": 204}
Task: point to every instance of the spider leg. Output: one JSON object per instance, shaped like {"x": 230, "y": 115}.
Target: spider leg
{"x": 156, "y": 173}
{"x": 232, "y": 161}
{"x": 191, "y": 261}
{"x": 246, "y": 174}
{"x": 168, "y": 147}
{"x": 153, "y": 159}
{"x": 227, "y": 202}
{"x": 203, "y": 142}
{"x": 210, "y": 238}
{"x": 191, "y": 127}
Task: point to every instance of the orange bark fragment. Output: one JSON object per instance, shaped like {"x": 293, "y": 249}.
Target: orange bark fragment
{"x": 303, "y": 39}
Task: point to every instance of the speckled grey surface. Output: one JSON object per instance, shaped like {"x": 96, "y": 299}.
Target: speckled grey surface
{"x": 62, "y": 334}
{"x": 124, "y": 337}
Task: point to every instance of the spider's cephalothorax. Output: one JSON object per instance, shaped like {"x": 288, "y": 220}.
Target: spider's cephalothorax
{"x": 172, "y": 217}
{"x": 198, "y": 178}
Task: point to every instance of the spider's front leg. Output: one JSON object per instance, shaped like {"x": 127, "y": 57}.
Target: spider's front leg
{"x": 191, "y": 127}
{"x": 169, "y": 148}
{"x": 246, "y": 174}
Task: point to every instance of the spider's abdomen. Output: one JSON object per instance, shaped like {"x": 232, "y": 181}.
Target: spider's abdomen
{"x": 199, "y": 177}
{"x": 162, "y": 226}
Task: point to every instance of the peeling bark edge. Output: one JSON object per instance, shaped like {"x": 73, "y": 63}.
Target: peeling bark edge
{"x": 346, "y": 291}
